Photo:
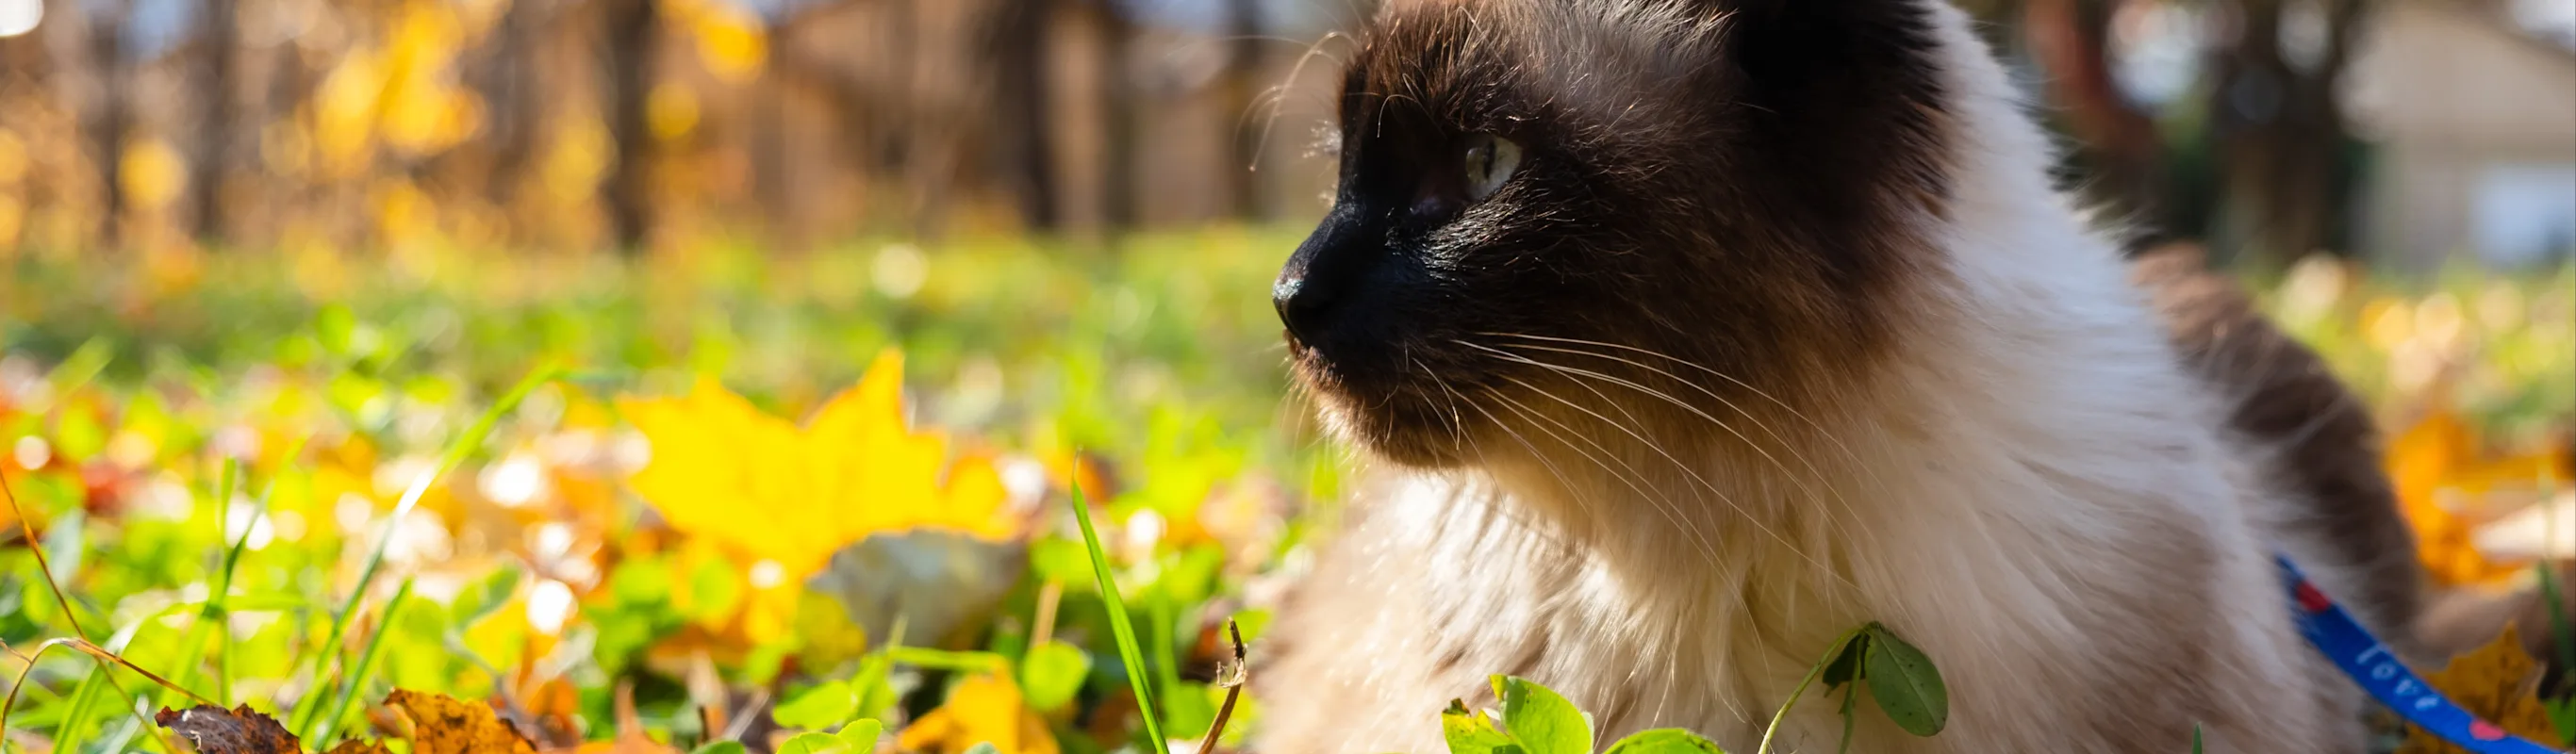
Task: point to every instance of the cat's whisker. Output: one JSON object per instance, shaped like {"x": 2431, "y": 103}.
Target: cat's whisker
{"x": 1784, "y": 469}
{"x": 1821, "y": 429}
{"x": 1633, "y": 479}
{"x": 1814, "y": 473}
{"x": 1552, "y": 470}
{"x": 1277, "y": 94}
{"x": 1457, "y": 421}
{"x": 1693, "y": 527}
{"x": 1677, "y": 402}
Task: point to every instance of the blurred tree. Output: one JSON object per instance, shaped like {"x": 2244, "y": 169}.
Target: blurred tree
{"x": 506, "y": 81}
{"x": 107, "y": 118}
{"x": 775, "y": 167}
{"x": 631, "y": 29}
{"x": 219, "y": 39}
{"x": 1241, "y": 80}
{"x": 1023, "y": 99}
{"x": 2280, "y": 128}
{"x": 1119, "y": 102}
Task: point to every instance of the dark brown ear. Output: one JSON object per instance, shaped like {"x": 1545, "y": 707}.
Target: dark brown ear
{"x": 1852, "y": 89}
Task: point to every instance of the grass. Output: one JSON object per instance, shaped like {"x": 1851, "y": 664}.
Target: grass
{"x": 300, "y": 481}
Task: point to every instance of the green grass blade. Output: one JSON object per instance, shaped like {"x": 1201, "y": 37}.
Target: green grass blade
{"x": 67, "y": 737}
{"x": 1167, "y": 674}
{"x": 2556, "y": 598}
{"x": 455, "y": 453}
{"x": 1128, "y": 653}
{"x": 366, "y": 671}
{"x": 224, "y": 583}
{"x": 193, "y": 642}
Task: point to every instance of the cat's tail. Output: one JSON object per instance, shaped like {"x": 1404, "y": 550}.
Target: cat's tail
{"x": 2459, "y": 620}
{"x": 2316, "y": 442}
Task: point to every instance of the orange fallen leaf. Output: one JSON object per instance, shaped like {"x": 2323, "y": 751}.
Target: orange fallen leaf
{"x": 2498, "y": 682}
{"x": 2438, "y": 457}
{"x": 241, "y": 730}
{"x": 443, "y": 725}
{"x": 984, "y": 708}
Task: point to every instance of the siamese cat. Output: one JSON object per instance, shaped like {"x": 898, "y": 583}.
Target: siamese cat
{"x": 1686, "y": 335}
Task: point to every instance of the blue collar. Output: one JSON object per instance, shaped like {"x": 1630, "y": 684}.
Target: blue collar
{"x": 2369, "y": 662}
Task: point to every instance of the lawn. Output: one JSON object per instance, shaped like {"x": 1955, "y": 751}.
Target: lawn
{"x": 726, "y": 496}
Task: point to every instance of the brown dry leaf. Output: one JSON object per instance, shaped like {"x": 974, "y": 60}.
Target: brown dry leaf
{"x": 241, "y": 730}
{"x": 545, "y": 713}
{"x": 354, "y": 746}
{"x": 2499, "y": 683}
{"x": 985, "y": 708}
{"x": 443, "y": 725}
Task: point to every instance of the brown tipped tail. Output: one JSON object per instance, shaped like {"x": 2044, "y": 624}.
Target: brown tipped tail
{"x": 2458, "y": 620}
{"x": 2317, "y": 441}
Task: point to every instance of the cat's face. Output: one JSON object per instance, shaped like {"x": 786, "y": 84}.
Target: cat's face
{"x": 1554, "y": 212}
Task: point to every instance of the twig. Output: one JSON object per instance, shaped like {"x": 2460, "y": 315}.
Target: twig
{"x": 37, "y": 546}
{"x": 104, "y": 658}
{"x": 1049, "y": 597}
{"x": 1233, "y": 688}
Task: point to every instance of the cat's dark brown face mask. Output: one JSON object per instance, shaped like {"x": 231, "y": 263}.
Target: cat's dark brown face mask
{"x": 1554, "y": 212}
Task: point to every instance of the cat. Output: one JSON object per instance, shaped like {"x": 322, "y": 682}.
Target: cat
{"x": 1683, "y": 336}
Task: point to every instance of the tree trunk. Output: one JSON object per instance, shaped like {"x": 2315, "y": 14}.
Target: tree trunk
{"x": 2282, "y": 134}
{"x": 632, "y": 33}
{"x": 772, "y": 166}
{"x": 222, "y": 40}
{"x": 1118, "y": 88}
{"x": 108, "y": 116}
{"x": 509, "y": 91}
{"x": 1242, "y": 90}
{"x": 1023, "y": 100}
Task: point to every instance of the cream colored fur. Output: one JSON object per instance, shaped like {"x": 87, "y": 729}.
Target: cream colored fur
{"x": 2033, "y": 491}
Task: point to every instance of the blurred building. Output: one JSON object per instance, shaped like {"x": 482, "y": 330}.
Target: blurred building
{"x": 2474, "y": 119}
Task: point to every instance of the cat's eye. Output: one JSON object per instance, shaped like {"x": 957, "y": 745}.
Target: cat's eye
{"x": 1490, "y": 162}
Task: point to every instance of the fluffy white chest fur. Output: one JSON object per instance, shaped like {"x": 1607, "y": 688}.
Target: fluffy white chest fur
{"x": 2034, "y": 491}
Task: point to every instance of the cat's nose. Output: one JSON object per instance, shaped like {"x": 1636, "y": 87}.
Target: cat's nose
{"x": 1301, "y": 306}
{"x": 1312, "y": 287}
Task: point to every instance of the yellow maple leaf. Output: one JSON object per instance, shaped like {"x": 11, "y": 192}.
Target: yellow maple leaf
{"x": 984, "y": 708}
{"x": 2499, "y": 683}
{"x": 769, "y": 492}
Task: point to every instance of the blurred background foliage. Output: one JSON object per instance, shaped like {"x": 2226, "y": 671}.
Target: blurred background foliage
{"x": 2411, "y": 132}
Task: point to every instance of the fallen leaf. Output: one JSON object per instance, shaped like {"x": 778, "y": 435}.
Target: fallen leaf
{"x": 2499, "y": 683}
{"x": 984, "y": 708}
{"x": 780, "y": 499}
{"x": 2436, "y": 460}
{"x": 443, "y": 725}
{"x": 548, "y": 714}
{"x": 945, "y": 585}
{"x": 241, "y": 730}
{"x": 354, "y": 746}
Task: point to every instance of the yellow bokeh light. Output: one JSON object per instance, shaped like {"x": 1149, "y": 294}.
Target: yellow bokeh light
{"x": 152, "y": 174}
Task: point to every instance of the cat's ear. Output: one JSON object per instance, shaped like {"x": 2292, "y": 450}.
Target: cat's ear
{"x": 1795, "y": 37}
